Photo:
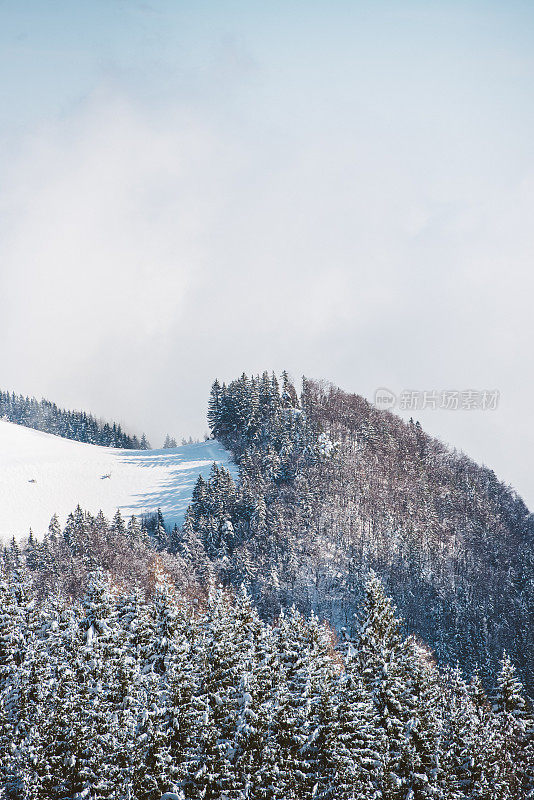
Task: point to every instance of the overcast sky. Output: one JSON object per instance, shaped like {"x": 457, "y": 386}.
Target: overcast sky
{"x": 190, "y": 190}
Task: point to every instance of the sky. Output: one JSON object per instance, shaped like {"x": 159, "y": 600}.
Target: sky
{"x": 192, "y": 190}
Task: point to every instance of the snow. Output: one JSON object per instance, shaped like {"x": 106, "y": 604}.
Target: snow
{"x": 42, "y": 475}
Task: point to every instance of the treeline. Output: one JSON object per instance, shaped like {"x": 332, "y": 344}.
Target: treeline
{"x": 257, "y": 413}
{"x": 123, "y": 695}
{"x": 42, "y": 415}
{"x": 63, "y": 557}
{"x": 330, "y": 487}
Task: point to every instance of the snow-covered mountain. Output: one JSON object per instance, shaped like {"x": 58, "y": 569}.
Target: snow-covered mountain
{"x": 42, "y": 474}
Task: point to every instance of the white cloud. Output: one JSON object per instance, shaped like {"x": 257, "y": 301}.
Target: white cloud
{"x": 145, "y": 252}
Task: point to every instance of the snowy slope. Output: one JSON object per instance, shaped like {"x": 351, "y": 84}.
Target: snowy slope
{"x": 41, "y": 474}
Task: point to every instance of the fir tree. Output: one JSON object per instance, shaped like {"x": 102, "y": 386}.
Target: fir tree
{"x": 160, "y": 531}
{"x": 516, "y": 728}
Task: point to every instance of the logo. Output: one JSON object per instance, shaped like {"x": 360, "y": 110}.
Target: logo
{"x": 385, "y": 399}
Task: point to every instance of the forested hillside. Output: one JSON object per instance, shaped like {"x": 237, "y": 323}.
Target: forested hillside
{"x": 46, "y": 416}
{"x": 331, "y": 487}
{"x": 126, "y": 697}
{"x": 254, "y": 652}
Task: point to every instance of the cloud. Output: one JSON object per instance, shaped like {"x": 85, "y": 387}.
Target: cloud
{"x": 146, "y": 250}
{"x": 102, "y": 243}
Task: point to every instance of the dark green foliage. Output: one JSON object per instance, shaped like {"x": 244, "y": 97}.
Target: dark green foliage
{"x": 144, "y": 443}
{"x": 213, "y": 507}
{"x": 252, "y": 414}
{"x": 46, "y": 416}
{"x": 124, "y": 697}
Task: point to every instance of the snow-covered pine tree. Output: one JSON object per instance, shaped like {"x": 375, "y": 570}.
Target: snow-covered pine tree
{"x": 386, "y": 663}
{"x": 293, "y": 723}
{"x": 252, "y": 760}
{"x": 173, "y": 540}
{"x": 358, "y": 746}
{"x": 133, "y": 531}
{"x": 54, "y": 529}
{"x": 11, "y": 655}
{"x": 516, "y": 728}
{"x": 486, "y": 782}
{"x": 457, "y": 736}
{"x": 117, "y": 523}
{"x": 185, "y": 712}
{"x": 215, "y": 408}
{"x": 98, "y": 658}
{"x": 160, "y": 531}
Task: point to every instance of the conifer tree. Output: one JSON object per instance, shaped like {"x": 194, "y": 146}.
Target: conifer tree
{"x": 357, "y": 748}
{"x": 11, "y": 648}
{"x": 387, "y": 668}
{"x": 254, "y": 720}
{"x": 174, "y": 541}
{"x": 457, "y": 743}
{"x": 118, "y": 523}
{"x": 54, "y": 529}
{"x": 215, "y": 408}
{"x": 485, "y": 744}
{"x": 516, "y": 729}
{"x": 97, "y": 674}
{"x": 160, "y": 531}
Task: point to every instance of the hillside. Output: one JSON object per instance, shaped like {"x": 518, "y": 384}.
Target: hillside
{"x": 332, "y": 487}
{"x": 43, "y": 415}
{"x": 329, "y": 488}
{"x": 185, "y": 663}
{"x": 42, "y": 475}
{"x": 121, "y": 697}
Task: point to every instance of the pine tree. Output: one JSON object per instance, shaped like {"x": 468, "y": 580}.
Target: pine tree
{"x": 292, "y": 721}
{"x": 357, "y": 747}
{"x": 118, "y": 523}
{"x": 32, "y": 552}
{"x": 255, "y": 703}
{"x": 175, "y": 539}
{"x": 387, "y": 666}
{"x": 458, "y": 735}
{"x": 289, "y": 395}
{"x": 215, "y": 408}
{"x": 35, "y": 697}
{"x": 11, "y": 649}
{"x": 75, "y": 532}
{"x": 54, "y": 529}
{"x": 516, "y": 728}
{"x": 183, "y": 685}
{"x": 97, "y": 672}
{"x": 160, "y": 532}
{"x": 485, "y": 783}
